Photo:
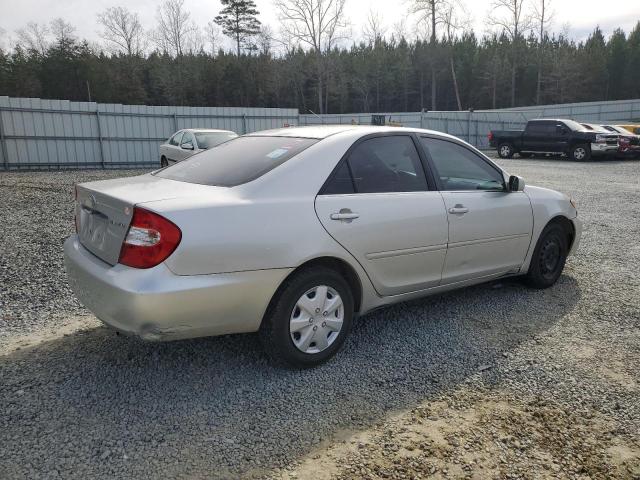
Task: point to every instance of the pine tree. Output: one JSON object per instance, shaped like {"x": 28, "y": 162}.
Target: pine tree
{"x": 238, "y": 20}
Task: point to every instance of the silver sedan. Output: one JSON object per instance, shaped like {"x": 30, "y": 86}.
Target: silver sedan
{"x": 293, "y": 232}
{"x": 185, "y": 143}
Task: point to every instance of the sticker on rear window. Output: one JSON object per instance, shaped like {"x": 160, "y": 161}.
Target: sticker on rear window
{"x": 277, "y": 153}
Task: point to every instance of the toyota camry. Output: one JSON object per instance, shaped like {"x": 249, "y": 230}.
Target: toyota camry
{"x": 293, "y": 232}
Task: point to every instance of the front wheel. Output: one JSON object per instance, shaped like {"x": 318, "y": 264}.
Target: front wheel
{"x": 309, "y": 319}
{"x": 549, "y": 257}
{"x": 505, "y": 150}
{"x": 164, "y": 162}
{"x": 580, "y": 153}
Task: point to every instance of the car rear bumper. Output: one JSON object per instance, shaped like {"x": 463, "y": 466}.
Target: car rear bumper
{"x": 156, "y": 304}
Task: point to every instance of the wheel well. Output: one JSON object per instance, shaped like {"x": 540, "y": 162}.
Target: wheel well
{"x": 567, "y": 226}
{"x": 340, "y": 266}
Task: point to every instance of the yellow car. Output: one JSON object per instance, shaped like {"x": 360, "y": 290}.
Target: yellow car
{"x": 632, "y": 128}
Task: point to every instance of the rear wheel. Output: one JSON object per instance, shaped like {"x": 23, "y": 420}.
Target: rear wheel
{"x": 580, "y": 153}
{"x": 505, "y": 150}
{"x": 164, "y": 162}
{"x": 549, "y": 257}
{"x": 309, "y": 319}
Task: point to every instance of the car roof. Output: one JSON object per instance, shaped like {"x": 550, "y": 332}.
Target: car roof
{"x": 206, "y": 130}
{"x": 324, "y": 131}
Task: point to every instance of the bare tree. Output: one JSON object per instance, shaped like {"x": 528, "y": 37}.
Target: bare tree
{"x": 542, "y": 16}
{"x": 432, "y": 12}
{"x": 400, "y": 29}
{"x": 34, "y": 37}
{"x": 265, "y": 39}
{"x": 514, "y": 22}
{"x": 63, "y": 31}
{"x": 213, "y": 35}
{"x": 122, "y": 30}
{"x": 316, "y": 24}
{"x": 174, "y": 27}
{"x": 374, "y": 30}
{"x": 455, "y": 18}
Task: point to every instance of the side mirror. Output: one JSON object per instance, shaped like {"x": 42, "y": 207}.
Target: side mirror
{"x": 187, "y": 146}
{"x": 516, "y": 183}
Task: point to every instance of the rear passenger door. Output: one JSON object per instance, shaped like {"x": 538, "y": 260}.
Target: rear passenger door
{"x": 378, "y": 205}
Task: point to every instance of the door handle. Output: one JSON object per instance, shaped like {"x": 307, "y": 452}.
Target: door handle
{"x": 459, "y": 209}
{"x": 344, "y": 214}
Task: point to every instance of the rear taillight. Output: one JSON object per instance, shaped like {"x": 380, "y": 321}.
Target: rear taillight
{"x": 150, "y": 240}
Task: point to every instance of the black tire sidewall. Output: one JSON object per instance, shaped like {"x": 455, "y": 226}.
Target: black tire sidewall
{"x": 275, "y": 333}
{"x": 511, "y": 151}
{"x": 587, "y": 153}
{"x": 163, "y": 162}
{"x": 535, "y": 277}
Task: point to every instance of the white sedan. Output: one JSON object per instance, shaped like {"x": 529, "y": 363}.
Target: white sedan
{"x": 293, "y": 232}
{"x": 185, "y": 143}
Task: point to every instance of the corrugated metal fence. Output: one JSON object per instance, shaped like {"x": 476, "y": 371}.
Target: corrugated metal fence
{"x": 474, "y": 127}
{"x": 51, "y": 134}
{"x": 47, "y": 134}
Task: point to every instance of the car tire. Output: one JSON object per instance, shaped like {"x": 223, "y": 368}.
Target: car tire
{"x": 288, "y": 332}
{"x": 505, "y": 150}
{"x": 163, "y": 162}
{"x": 580, "y": 153}
{"x": 549, "y": 257}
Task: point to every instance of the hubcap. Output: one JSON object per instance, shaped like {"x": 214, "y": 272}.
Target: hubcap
{"x": 316, "y": 319}
{"x": 549, "y": 257}
{"x": 505, "y": 150}
{"x": 579, "y": 153}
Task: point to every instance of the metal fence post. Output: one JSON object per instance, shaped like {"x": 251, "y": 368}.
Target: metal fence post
{"x": 446, "y": 125}
{"x": 477, "y": 143}
{"x": 422, "y": 118}
{"x": 175, "y": 122}
{"x": 244, "y": 123}
{"x": 3, "y": 142}
{"x": 100, "y": 139}
{"x": 469, "y": 127}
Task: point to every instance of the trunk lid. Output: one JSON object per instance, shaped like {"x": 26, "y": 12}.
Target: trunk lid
{"x": 104, "y": 208}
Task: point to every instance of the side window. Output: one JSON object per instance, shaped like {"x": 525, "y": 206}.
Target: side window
{"x": 458, "y": 168}
{"x": 340, "y": 183}
{"x": 175, "y": 140}
{"x": 387, "y": 164}
{"x": 187, "y": 138}
{"x": 535, "y": 128}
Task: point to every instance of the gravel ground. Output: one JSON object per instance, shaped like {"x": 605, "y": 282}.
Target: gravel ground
{"x": 498, "y": 382}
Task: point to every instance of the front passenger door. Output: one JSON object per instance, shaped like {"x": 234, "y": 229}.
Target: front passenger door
{"x": 378, "y": 205}
{"x": 490, "y": 228}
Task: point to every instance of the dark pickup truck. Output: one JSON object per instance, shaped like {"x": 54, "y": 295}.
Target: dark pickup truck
{"x": 553, "y": 136}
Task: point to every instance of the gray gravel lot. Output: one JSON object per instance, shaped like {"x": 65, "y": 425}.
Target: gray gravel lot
{"x": 85, "y": 403}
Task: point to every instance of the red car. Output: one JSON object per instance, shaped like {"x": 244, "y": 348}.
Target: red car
{"x": 628, "y": 143}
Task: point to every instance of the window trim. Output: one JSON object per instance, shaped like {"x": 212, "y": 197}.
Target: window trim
{"x": 472, "y": 151}
{"x": 192, "y": 142}
{"x": 179, "y": 132}
{"x": 431, "y": 186}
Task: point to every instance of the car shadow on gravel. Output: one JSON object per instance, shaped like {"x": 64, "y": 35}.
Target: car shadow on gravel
{"x": 94, "y": 404}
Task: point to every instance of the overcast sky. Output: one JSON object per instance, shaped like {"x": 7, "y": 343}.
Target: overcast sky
{"x": 579, "y": 16}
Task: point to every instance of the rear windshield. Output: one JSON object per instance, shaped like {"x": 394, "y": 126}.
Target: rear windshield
{"x": 211, "y": 139}
{"x": 575, "y": 126}
{"x": 237, "y": 161}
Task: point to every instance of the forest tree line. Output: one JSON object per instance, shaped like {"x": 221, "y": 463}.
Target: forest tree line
{"x": 446, "y": 67}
